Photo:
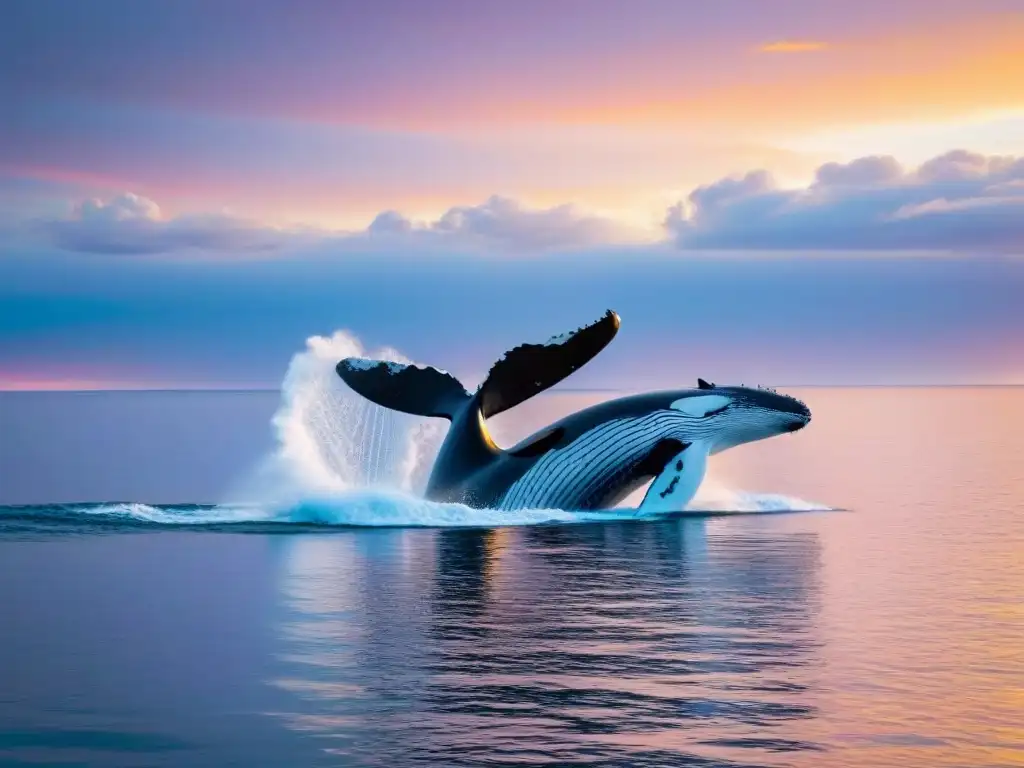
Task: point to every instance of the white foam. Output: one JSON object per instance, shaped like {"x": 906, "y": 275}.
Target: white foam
{"x": 362, "y": 508}
{"x": 389, "y": 508}
{"x": 171, "y": 515}
{"x": 716, "y": 498}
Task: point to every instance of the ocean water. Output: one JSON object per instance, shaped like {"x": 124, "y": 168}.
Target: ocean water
{"x": 214, "y": 579}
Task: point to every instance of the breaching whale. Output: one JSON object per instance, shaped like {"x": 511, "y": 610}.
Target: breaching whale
{"x": 591, "y": 459}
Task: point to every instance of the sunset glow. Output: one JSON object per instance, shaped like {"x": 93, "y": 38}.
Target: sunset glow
{"x": 298, "y": 135}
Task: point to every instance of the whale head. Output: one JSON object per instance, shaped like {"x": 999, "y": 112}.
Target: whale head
{"x": 730, "y": 416}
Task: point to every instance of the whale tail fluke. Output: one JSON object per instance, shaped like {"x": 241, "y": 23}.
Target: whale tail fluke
{"x": 531, "y": 368}
{"x": 421, "y": 391}
{"x": 519, "y": 375}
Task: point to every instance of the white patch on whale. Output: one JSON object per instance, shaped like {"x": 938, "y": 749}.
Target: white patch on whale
{"x": 559, "y": 339}
{"x": 700, "y": 406}
{"x": 365, "y": 364}
{"x": 555, "y": 341}
{"x": 678, "y": 482}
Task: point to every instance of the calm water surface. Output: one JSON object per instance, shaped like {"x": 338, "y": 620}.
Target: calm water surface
{"x": 891, "y": 633}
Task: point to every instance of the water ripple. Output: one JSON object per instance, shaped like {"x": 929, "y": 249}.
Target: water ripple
{"x": 566, "y": 646}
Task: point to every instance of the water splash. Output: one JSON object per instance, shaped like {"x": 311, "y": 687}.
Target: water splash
{"x": 353, "y": 508}
{"x": 715, "y": 498}
{"x": 331, "y": 441}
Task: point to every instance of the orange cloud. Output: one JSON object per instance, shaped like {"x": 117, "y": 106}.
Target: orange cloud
{"x": 792, "y": 46}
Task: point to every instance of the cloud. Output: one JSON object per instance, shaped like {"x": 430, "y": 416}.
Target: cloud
{"x": 503, "y": 223}
{"x": 793, "y": 46}
{"x": 958, "y": 201}
{"x": 864, "y": 171}
{"x": 131, "y": 224}
{"x": 390, "y": 223}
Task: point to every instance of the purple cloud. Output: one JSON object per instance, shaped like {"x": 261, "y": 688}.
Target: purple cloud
{"x": 131, "y": 224}
{"x": 958, "y": 201}
{"x": 390, "y": 223}
{"x": 503, "y": 223}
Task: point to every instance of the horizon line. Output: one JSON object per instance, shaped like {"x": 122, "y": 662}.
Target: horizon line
{"x": 553, "y": 390}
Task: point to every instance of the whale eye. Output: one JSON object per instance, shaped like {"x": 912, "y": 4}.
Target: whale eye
{"x": 701, "y": 406}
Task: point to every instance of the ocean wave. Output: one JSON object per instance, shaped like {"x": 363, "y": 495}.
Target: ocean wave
{"x": 365, "y": 509}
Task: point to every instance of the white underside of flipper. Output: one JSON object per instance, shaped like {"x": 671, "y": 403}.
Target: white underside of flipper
{"x": 678, "y": 482}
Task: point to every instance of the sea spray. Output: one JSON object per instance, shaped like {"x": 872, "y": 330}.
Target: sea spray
{"x": 331, "y": 441}
{"x": 715, "y": 497}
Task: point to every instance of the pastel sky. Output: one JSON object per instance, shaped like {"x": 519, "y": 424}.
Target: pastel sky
{"x": 791, "y": 192}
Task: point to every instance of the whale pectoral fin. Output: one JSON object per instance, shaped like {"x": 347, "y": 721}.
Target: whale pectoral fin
{"x": 406, "y": 388}
{"x": 531, "y": 368}
{"x": 678, "y": 481}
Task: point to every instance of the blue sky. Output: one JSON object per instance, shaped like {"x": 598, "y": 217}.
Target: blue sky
{"x": 740, "y": 317}
{"x": 809, "y": 194}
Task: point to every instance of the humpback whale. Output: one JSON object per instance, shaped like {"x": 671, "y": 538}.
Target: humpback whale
{"x": 591, "y": 459}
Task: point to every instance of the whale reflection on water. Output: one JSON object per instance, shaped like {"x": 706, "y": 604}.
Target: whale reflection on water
{"x": 608, "y": 644}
